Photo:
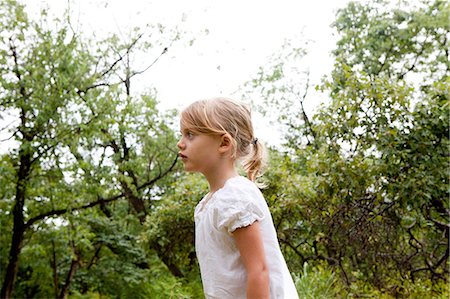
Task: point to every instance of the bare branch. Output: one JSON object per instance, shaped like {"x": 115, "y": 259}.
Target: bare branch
{"x": 305, "y": 117}
{"x": 148, "y": 67}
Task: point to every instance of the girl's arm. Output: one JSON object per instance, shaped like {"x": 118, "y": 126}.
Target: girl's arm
{"x": 250, "y": 245}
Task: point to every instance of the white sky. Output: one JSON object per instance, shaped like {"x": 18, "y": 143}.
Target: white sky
{"x": 242, "y": 35}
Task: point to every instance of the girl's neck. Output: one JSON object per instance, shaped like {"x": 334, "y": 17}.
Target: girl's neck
{"x": 218, "y": 179}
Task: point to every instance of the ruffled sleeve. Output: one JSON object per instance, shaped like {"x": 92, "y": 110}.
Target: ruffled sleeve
{"x": 238, "y": 206}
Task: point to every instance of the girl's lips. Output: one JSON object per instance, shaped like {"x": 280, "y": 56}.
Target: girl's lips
{"x": 182, "y": 156}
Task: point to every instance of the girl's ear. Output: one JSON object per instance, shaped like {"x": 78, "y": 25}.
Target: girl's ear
{"x": 225, "y": 144}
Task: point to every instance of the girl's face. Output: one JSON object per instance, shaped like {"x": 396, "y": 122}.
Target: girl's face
{"x": 199, "y": 152}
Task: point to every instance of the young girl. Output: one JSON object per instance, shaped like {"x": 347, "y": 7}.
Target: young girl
{"x": 236, "y": 243}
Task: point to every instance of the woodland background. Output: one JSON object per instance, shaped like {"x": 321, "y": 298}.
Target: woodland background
{"x": 94, "y": 202}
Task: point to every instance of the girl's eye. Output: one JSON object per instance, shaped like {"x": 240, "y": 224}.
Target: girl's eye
{"x": 187, "y": 134}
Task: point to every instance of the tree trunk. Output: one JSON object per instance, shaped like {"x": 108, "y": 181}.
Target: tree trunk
{"x": 72, "y": 270}
{"x": 19, "y": 226}
{"x": 54, "y": 265}
{"x": 165, "y": 259}
{"x": 13, "y": 263}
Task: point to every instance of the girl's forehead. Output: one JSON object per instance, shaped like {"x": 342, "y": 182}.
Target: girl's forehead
{"x": 184, "y": 127}
{"x": 186, "y": 124}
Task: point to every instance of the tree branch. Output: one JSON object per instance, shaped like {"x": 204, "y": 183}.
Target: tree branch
{"x": 305, "y": 117}
{"x": 58, "y": 212}
{"x": 413, "y": 66}
{"x": 148, "y": 67}
{"x": 100, "y": 201}
{"x": 160, "y": 175}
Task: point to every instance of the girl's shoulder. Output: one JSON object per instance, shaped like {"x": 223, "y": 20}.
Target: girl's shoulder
{"x": 236, "y": 193}
{"x": 239, "y": 184}
{"x": 238, "y": 189}
{"x": 239, "y": 203}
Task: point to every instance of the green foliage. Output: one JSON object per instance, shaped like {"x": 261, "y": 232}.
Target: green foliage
{"x": 95, "y": 206}
{"x": 380, "y": 38}
{"x": 156, "y": 283}
{"x": 401, "y": 288}
{"x": 393, "y": 211}
{"x": 88, "y": 159}
{"x": 368, "y": 192}
{"x": 317, "y": 283}
{"x": 172, "y": 220}
{"x": 282, "y": 85}
{"x": 290, "y": 195}
{"x": 322, "y": 281}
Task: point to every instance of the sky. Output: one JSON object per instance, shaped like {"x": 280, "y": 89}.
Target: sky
{"x": 241, "y": 36}
{"x": 232, "y": 40}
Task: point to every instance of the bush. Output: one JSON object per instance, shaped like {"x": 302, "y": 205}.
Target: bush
{"x": 316, "y": 283}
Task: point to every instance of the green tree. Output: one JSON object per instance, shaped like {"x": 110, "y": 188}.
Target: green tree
{"x": 368, "y": 174}
{"x": 169, "y": 228}
{"x": 82, "y": 141}
{"x": 394, "y": 129}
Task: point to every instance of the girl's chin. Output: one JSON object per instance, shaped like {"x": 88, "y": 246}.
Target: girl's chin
{"x": 188, "y": 169}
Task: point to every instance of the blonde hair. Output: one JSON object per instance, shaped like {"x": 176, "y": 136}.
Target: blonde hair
{"x": 218, "y": 116}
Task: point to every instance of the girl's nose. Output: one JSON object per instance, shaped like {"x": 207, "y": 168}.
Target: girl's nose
{"x": 180, "y": 143}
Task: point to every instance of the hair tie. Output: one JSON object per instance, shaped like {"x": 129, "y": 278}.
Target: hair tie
{"x": 254, "y": 141}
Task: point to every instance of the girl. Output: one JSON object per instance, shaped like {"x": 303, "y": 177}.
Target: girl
{"x": 235, "y": 239}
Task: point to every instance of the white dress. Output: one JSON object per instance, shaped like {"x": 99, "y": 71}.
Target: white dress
{"x": 237, "y": 204}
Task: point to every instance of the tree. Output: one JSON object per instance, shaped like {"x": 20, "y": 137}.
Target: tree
{"x": 170, "y": 226}
{"x": 82, "y": 140}
{"x": 387, "y": 125}
{"x": 369, "y": 172}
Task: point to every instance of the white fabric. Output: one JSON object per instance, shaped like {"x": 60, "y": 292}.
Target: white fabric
{"x": 238, "y": 204}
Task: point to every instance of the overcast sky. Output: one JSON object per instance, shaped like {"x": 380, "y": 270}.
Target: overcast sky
{"x": 242, "y": 34}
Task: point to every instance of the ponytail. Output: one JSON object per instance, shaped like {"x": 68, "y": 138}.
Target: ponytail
{"x": 255, "y": 162}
